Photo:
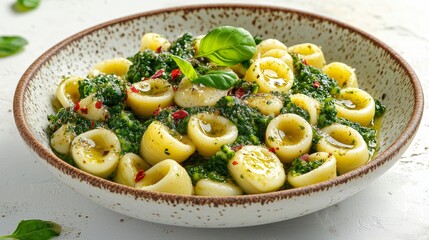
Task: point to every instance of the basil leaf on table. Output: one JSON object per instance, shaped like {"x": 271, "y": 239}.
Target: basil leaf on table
{"x": 26, "y": 5}
{"x": 34, "y": 229}
{"x": 10, "y": 45}
{"x": 220, "y": 79}
{"x": 227, "y": 46}
{"x": 185, "y": 67}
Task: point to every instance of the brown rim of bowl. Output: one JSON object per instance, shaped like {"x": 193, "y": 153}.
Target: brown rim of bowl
{"x": 56, "y": 162}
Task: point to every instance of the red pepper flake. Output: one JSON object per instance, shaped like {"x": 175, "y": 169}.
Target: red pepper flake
{"x": 76, "y": 106}
{"x": 84, "y": 110}
{"x": 157, "y": 111}
{"x": 316, "y": 84}
{"x": 158, "y": 74}
{"x": 238, "y": 147}
{"x": 180, "y": 114}
{"x": 234, "y": 163}
{"x": 175, "y": 73}
{"x": 134, "y": 89}
{"x": 305, "y": 157}
{"x": 239, "y": 93}
{"x": 98, "y": 104}
{"x": 273, "y": 149}
{"x": 304, "y": 61}
{"x": 144, "y": 79}
{"x": 140, "y": 175}
{"x": 92, "y": 125}
{"x": 159, "y": 49}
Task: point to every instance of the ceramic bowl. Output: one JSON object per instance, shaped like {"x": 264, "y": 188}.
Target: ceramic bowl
{"x": 380, "y": 71}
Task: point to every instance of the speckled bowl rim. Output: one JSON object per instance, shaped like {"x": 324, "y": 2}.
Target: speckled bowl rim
{"x": 46, "y": 153}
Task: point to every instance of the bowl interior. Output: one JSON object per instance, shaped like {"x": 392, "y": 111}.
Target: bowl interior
{"x": 379, "y": 70}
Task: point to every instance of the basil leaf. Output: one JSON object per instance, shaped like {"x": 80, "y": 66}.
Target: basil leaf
{"x": 185, "y": 67}
{"x": 35, "y": 230}
{"x": 26, "y": 5}
{"x": 219, "y": 79}
{"x": 10, "y": 45}
{"x": 227, "y": 46}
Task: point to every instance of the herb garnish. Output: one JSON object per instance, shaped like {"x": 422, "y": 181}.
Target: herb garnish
{"x": 34, "y": 229}
{"x": 10, "y": 45}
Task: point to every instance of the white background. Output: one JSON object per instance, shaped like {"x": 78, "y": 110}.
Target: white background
{"x": 396, "y": 206}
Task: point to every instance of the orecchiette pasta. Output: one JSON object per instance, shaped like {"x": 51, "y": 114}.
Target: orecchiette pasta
{"x": 346, "y": 144}
{"x": 289, "y": 135}
{"x": 97, "y": 152}
{"x": 68, "y": 91}
{"x": 267, "y": 104}
{"x": 117, "y": 66}
{"x": 210, "y": 131}
{"x": 167, "y": 176}
{"x": 159, "y": 143}
{"x": 280, "y": 54}
{"x": 311, "y": 105}
{"x": 257, "y": 170}
{"x": 153, "y": 41}
{"x": 194, "y": 95}
{"x": 312, "y": 54}
{"x": 267, "y": 45}
{"x": 145, "y": 97}
{"x": 271, "y": 74}
{"x": 342, "y": 73}
{"x": 92, "y": 108}
{"x": 61, "y": 139}
{"x": 326, "y": 171}
{"x": 355, "y": 105}
{"x": 129, "y": 165}
{"x": 207, "y": 187}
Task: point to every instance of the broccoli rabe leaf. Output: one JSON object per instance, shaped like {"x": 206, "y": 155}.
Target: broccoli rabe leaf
{"x": 77, "y": 123}
{"x": 108, "y": 88}
{"x": 127, "y": 128}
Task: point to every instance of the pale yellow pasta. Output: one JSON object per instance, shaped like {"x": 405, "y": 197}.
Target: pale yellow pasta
{"x": 239, "y": 69}
{"x": 355, "y": 105}
{"x": 92, "y": 109}
{"x": 207, "y": 187}
{"x": 257, "y": 170}
{"x": 159, "y": 143}
{"x": 145, "y": 97}
{"x": 289, "y": 135}
{"x": 267, "y": 104}
{"x": 129, "y": 165}
{"x": 281, "y": 54}
{"x": 196, "y": 43}
{"x": 342, "y": 73}
{"x": 309, "y": 104}
{"x": 117, "y": 66}
{"x": 96, "y": 152}
{"x": 325, "y": 172}
{"x": 311, "y": 53}
{"x": 167, "y": 176}
{"x": 68, "y": 91}
{"x": 346, "y": 144}
{"x": 197, "y": 95}
{"x": 154, "y": 41}
{"x": 209, "y": 131}
{"x": 267, "y": 45}
{"x": 271, "y": 74}
{"x": 61, "y": 139}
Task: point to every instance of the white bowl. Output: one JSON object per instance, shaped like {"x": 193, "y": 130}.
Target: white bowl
{"x": 381, "y": 72}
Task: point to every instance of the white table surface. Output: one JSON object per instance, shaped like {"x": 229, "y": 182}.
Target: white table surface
{"x": 396, "y": 206}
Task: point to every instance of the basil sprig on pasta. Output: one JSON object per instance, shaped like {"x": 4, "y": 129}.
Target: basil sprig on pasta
{"x": 227, "y": 46}
{"x": 220, "y": 79}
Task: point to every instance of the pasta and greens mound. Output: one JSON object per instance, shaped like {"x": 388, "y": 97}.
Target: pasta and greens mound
{"x": 226, "y": 113}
